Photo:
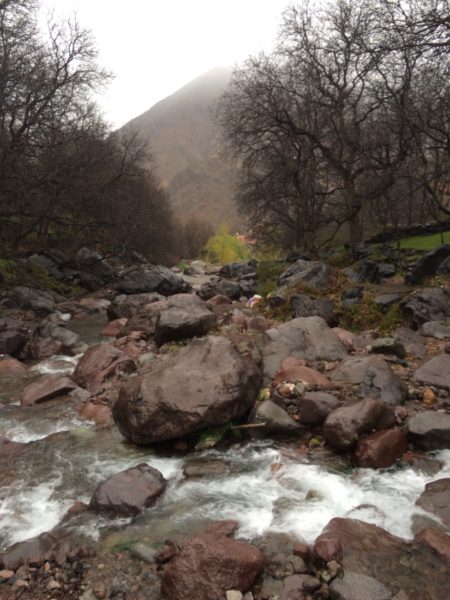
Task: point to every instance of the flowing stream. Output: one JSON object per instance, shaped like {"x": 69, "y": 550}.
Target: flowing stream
{"x": 265, "y": 485}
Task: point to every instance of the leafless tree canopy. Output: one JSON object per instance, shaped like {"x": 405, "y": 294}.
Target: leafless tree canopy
{"x": 65, "y": 179}
{"x": 346, "y": 123}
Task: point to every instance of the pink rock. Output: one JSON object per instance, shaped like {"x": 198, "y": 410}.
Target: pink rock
{"x": 47, "y": 387}
{"x": 380, "y": 449}
{"x": 113, "y": 328}
{"x": 11, "y": 366}
{"x": 304, "y": 375}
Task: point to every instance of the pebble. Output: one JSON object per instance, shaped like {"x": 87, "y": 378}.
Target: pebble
{"x": 6, "y": 574}
{"x": 21, "y": 583}
{"x": 99, "y": 590}
{"x": 143, "y": 552}
{"x": 53, "y": 585}
{"x": 234, "y": 595}
{"x": 428, "y": 397}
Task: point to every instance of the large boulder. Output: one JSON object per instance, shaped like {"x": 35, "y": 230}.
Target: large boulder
{"x": 152, "y": 278}
{"x": 209, "y": 565}
{"x": 381, "y": 449}
{"x": 99, "y": 363}
{"x": 428, "y": 265}
{"x": 346, "y": 424}
{"x": 127, "y": 305}
{"x": 305, "y": 306}
{"x": 369, "y": 550}
{"x": 374, "y": 379}
{"x": 41, "y": 303}
{"x": 430, "y": 430}
{"x": 203, "y": 385}
{"x": 178, "y": 317}
{"x": 429, "y": 304}
{"x": 435, "y": 499}
{"x": 313, "y": 273}
{"x": 46, "y": 388}
{"x": 306, "y": 337}
{"x": 13, "y": 336}
{"x": 129, "y": 492}
{"x": 33, "y": 552}
{"x": 435, "y": 372}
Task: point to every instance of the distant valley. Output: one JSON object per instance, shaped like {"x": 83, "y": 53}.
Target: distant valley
{"x": 184, "y": 144}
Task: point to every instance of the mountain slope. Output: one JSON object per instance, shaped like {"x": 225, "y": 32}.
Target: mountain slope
{"x": 183, "y": 141}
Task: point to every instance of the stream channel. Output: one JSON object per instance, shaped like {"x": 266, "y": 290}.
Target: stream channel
{"x": 265, "y": 485}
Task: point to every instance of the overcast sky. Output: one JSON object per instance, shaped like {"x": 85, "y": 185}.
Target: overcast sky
{"x": 156, "y": 46}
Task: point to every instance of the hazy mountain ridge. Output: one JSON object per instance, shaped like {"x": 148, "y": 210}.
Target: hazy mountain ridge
{"x": 184, "y": 144}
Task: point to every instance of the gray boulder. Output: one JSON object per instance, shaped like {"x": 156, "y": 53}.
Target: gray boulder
{"x": 178, "y": 317}
{"x": 203, "y": 385}
{"x": 276, "y": 419}
{"x": 355, "y": 586}
{"x": 435, "y": 372}
{"x": 70, "y": 341}
{"x": 388, "y": 345}
{"x": 220, "y": 287}
{"x": 129, "y": 492}
{"x": 306, "y": 337}
{"x": 344, "y": 426}
{"x": 152, "y": 278}
{"x": 429, "y": 430}
{"x": 429, "y": 304}
{"x": 314, "y": 407}
{"x": 125, "y": 306}
{"x": 314, "y": 273}
{"x": 436, "y": 329}
{"x": 428, "y": 265}
{"x": 41, "y": 303}
{"x": 435, "y": 499}
{"x": 305, "y": 306}
{"x": 412, "y": 341}
{"x": 374, "y": 379}
{"x": 95, "y": 264}
{"x": 13, "y": 336}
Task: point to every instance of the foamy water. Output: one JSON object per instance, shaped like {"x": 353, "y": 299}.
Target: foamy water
{"x": 296, "y": 498}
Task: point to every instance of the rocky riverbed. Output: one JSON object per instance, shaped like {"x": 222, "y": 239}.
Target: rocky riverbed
{"x": 167, "y": 436}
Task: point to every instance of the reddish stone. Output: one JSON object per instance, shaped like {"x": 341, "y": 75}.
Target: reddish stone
{"x": 131, "y": 344}
{"x": 291, "y": 362}
{"x": 11, "y": 366}
{"x": 328, "y": 547}
{"x": 76, "y": 508}
{"x": 304, "y": 375}
{"x": 437, "y": 540}
{"x": 208, "y": 565}
{"x": 99, "y": 363}
{"x": 226, "y": 528}
{"x": 99, "y": 413}
{"x": 302, "y": 550}
{"x": 113, "y": 328}
{"x": 10, "y": 448}
{"x": 380, "y": 449}
{"x": 346, "y": 338}
{"x": 344, "y": 425}
{"x": 47, "y": 387}
{"x": 218, "y": 300}
{"x": 166, "y": 553}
